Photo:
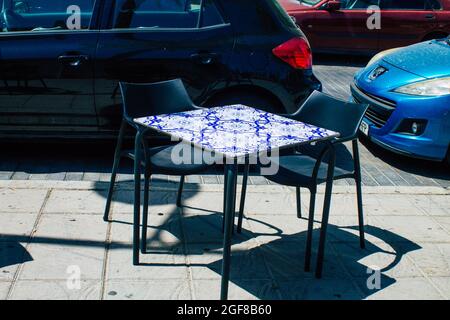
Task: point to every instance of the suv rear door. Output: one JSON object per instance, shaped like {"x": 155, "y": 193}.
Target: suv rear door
{"x": 153, "y": 40}
{"x": 406, "y": 22}
{"x": 46, "y": 68}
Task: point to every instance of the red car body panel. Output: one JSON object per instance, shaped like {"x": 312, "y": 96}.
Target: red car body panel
{"x": 346, "y": 30}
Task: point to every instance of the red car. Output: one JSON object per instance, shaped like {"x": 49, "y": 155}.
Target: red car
{"x": 342, "y": 26}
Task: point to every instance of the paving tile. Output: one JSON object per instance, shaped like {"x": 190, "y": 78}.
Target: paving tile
{"x": 443, "y": 284}
{"x": 76, "y": 201}
{"x": 247, "y": 262}
{"x": 431, "y": 202}
{"x": 401, "y": 289}
{"x": 210, "y": 179}
{"x": 160, "y": 202}
{"x": 238, "y": 290}
{"x": 148, "y": 290}
{"x": 208, "y": 202}
{"x": 417, "y": 229}
{"x": 345, "y": 229}
{"x": 62, "y": 241}
{"x": 256, "y": 180}
{"x": 286, "y": 261}
{"x": 57, "y": 176}
{"x": 6, "y": 175}
{"x": 20, "y": 176}
{"x": 194, "y": 179}
{"x": 74, "y": 176}
{"x": 444, "y": 222}
{"x": 268, "y": 203}
{"x": 91, "y": 176}
{"x": 68, "y": 229}
{"x": 4, "y": 288}
{"x": 323, "y": 289}
{"x": 433, "y": 259}
{"x": 12, "y": 200}
{"x": 55, "y": 290}
{"x": 16, "y": 226}
{"x": 12, "y": 254}
{"x": 203, "y": 228}
{"x": 378, "y": 256}
{"x": 283, "y": 227}
{"x": 162, "y": 230}
{"x": 166, "y": 262}
{"x": 391, "y": 205}
{"x": 54, "y": 262}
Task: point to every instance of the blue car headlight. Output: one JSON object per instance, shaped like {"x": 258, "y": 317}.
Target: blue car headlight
{"x": 427, "y": 88}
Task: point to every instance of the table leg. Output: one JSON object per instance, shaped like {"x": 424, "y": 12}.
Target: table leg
{"x": 230, "y": 206}
{"x": 326, "y": 212}
{"x": 137, "y": 196}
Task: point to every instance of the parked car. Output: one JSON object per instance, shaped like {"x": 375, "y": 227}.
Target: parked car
{"x": 341, "y": 26}
{"x": 61, "y": 62}
{"x": 408, "y": 90}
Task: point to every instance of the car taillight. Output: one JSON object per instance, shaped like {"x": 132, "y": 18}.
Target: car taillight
{"x": 295, "y": 52}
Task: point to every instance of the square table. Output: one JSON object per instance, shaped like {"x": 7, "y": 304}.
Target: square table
{"x": 235, "y": 132}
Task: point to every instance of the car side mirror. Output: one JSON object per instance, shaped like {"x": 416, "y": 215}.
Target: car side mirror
{"x": 333, "y": 5}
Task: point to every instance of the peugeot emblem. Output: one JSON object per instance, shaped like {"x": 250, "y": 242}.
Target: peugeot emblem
{"x": 377, "y": 73}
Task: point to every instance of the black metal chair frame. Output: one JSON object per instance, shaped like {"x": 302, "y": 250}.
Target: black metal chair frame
{"x": 328, "y": 150}
{"x": 141, "y": 155}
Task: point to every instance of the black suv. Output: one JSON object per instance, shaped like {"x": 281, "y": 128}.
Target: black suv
{"x": 61, "y": 61}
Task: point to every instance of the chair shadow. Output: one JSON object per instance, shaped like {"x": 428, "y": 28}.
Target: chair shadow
{"x": 275, "y": 269}
{"x": 13, "y": 253}
{"x": 284, "y": 263}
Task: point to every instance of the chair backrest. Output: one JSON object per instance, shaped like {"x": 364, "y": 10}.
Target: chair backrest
{"x": 150, "y": 99}
{"x": 330, "y": 113}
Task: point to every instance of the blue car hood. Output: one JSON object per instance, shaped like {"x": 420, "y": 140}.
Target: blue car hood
{"x": 429, "y": 59}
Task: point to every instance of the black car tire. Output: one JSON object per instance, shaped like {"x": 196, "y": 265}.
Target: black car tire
{"x": 251, "y": 99}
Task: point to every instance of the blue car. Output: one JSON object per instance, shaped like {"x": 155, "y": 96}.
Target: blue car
{"x": 408, "y": 90}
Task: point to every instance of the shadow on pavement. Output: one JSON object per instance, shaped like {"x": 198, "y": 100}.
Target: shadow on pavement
{"x": 12, "y": 253}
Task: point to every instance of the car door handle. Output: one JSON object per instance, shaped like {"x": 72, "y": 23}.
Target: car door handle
{"x": 204, "y": 58}
{"x": 73, "y": 60}
{"x": 430, "y": 17}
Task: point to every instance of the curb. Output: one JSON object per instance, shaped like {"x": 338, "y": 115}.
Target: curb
{"x": 126, "y": 186}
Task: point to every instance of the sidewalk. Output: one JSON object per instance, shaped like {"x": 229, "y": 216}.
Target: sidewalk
{"x": 52, "y": 231}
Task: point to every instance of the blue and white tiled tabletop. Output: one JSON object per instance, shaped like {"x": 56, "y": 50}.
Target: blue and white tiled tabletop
{"x": 236, "y": 130}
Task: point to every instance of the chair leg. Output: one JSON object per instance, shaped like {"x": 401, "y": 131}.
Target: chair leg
{"x": 145, "y": 211}
{"x": 299, "y": 203}
{"x": 117, "y": 158}
{"x": 180, "y": 190}
{"x": 225, "y": 185}
{"x": 137, "y": 196}
{"x": 362, "y": 241}
{"x": 243, "y": 195}
{"x": 312, "y": 204}
{"x": 326, "y": 213}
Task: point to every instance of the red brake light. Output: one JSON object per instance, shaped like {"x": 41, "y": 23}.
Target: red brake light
{"x": 295, "y": 52}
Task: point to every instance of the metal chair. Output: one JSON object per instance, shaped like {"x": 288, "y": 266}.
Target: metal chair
{"x": 307, "y": 167}
{"x": 141, "y": 100}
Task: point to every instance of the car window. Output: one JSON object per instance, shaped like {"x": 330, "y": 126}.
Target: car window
{"x": 358, "y": 4}
{"x": 433, "y": 5}
{"x": 165, "y": 14}
{"x": 403, "y": 5}
{"x": 45, "y": 15}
